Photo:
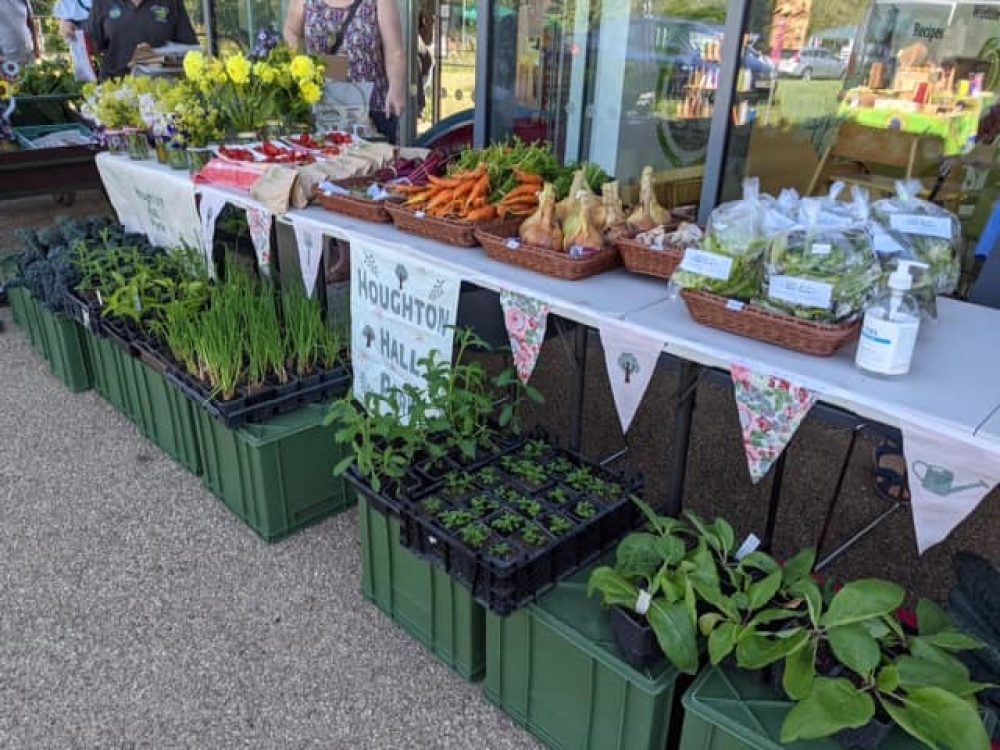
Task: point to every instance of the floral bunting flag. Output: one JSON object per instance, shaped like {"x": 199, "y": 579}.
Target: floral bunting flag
{"x": 309, "y": 239}
{"x": 260, "y": 219}
{"x": 948, "y": 478}
{"x": 210, "y": 206}
{"x": 631, "y": 360}
{"x": 771, "y": 410}
{"x": 525, "y": 318}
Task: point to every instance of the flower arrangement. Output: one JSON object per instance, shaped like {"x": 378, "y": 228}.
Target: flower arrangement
{"x": 115, "y": 104}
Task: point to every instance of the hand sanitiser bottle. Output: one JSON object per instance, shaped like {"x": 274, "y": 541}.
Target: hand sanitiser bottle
{"x": 889, "y": 331}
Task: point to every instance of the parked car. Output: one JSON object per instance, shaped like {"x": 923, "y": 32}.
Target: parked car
{"x": 811, "y": 62}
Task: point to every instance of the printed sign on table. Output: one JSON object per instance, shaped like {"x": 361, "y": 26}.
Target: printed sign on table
{"x": 402, "y": 309}
{"x": 948, "y": 478}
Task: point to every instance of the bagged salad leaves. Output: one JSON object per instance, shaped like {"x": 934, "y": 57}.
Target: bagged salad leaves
{"x": 818, "y": 271}
{"x": 729, "y": 259}
{"x": 907, "y": 227}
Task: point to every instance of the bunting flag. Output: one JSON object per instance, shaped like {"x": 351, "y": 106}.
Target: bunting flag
{"x": 309, "y": 236}
{"x": 630, "y": 358}
{"x": 771, "y": 410}
{"x": 525, "y": 318}
{"x": 260, "y": 220}
{"x": 209, "y": 207}
{"x": 948, "y": 478}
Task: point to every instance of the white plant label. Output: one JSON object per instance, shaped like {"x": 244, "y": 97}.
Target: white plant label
{"x": 749, "y": 546}
{"x": 802, "y": 292}
{"x": 642, "y": 602}
{"x": 735, "y": 305}
{"x": 821, "y": 248}
{"x": 928, "y": 226}
{"x": 710, "y": 265}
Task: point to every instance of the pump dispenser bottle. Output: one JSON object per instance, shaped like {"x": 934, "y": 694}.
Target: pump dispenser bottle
{"x": 891, "y": 324}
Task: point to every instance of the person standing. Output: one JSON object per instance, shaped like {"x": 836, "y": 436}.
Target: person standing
{"x": 370, "y": 34}
{"x": 17, "y": 37}
{"x": 117, "y": 27}
{"x": 72, "y": 16}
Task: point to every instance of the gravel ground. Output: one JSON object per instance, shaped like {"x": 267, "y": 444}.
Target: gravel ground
{"x": 138, "y": 612}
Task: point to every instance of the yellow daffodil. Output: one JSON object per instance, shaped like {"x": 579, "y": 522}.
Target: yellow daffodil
{"x": 302, "y": 67}
{"x": 5, "y": 88}
{"x": 264, "y": 72}
{"x": 311, "y": 92}
{"x": 194, "y": 65}
{"x": 238, "y": 68}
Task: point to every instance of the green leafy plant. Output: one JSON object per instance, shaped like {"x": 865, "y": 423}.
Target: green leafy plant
{"x": 431, "y": 506}
{"x": 557, "y": 525}
{"x": 455, "y": 519}
{"x": 501, "y": 551}
{"x": 528, "y": 506}
{"x": 483, "y": 505}
{"x": 530, "y": 472}
{"x": 535, "y": 449}
{"x": 507, "y": 523}
{"x": 558, "y": 496}
{"x": 475, "y": 535}
{"x": 585, "y": 510}
{"x": 580, "y": 479}
{"x": 560, "y": 467}
{"x": 487, "y": 477}
{"x": 458, "y": 484}
{"x": 534, "y": 536}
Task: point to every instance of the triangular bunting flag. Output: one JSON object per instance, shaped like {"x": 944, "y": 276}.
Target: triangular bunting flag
{"x": 525, "y": 318}
{"x": 260, "y": 220}
{"x": 771, "y": 410}
{"x": 209, "y": 207}
{"x": 309, "y": 238}
{"x": 631, "y": 359}
{"x": 948, "y": 478}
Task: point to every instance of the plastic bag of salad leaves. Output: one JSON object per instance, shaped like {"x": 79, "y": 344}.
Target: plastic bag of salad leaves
{"x": 820, "y": 272}
{"x": 913, "y": 229}
{"x": 728, "y": 262}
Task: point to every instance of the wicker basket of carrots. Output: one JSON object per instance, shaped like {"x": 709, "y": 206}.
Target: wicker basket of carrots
{"x": 483, "y": 189}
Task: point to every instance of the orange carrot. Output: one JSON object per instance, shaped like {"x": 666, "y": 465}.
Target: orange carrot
{"x": 443, "y": 198}
{"x": 527, "y": 178}
{"x": 526, "y": 190}
{"x": 486, "y": 213}
{"x": 480, "y": 190}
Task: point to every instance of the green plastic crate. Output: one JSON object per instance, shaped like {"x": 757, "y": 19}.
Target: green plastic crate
{"x": 69, "y": 358}
{"x": 35, "y": 325}
{"x": 726, "y": 709}
{"x": 108, "y": 380}
{"x": 16, "y": 297}
{"x": 419, "y": 597}
{"x": 554, "y": 668}
{"x": 276, "y": 476}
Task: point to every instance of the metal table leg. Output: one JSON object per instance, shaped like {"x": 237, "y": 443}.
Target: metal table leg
{"x": 774, "y": 502}
{"x": 687, "y": 388}
{"x": 579, "y": 386}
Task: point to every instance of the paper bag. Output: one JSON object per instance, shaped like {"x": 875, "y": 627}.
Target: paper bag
{"x": 274, "y": 188}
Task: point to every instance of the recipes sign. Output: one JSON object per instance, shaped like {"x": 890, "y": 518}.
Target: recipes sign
{"x": 401, "y": 310}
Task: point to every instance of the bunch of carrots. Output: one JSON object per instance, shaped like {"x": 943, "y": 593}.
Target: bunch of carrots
{"x": 467, "y": 195}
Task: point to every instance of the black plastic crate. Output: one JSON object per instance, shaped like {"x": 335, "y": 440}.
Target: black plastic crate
{"x": 85, "y": 312}
{"x": 504, "y": 586}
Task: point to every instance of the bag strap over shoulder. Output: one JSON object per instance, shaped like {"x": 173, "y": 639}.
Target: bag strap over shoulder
{"x": 339, "y": 38}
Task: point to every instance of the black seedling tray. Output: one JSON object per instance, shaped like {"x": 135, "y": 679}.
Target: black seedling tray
{"x": 84, "y": 312}
{"x": 505, "y": 585}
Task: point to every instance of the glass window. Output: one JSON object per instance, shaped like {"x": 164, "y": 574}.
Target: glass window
{"x": 870, "y": 92}
{"x": 624, "y": 83}
{"x": 446, "y": 57}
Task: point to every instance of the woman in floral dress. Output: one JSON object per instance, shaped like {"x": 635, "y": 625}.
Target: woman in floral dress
{"x": 372, "y": 42}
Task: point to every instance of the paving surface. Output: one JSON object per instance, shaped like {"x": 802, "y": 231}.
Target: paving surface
{"x": 136, "y": 611}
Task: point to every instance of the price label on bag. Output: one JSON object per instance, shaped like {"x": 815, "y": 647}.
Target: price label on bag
{"x": 801, "y": 292}
{"x": 710, "y": 265}
{"x": 513, "y": 243}
{"x": 821, "y": 248}
{"x": 928, "y": 226}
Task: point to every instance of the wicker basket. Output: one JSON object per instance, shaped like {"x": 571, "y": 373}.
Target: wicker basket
{"x": 640, "y": 258}
{"x": 501, "y": 244}
{"x": 350, "y": 205}
{"x": 450, "y": 231}
{"x": 821, "y": 339}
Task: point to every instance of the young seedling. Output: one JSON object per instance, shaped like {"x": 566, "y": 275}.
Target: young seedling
{"x": 535, "y": 449}
{"x": 501, "y": 551}
{"x": 508, "y": 464}
{"x": 455, "y": 519}
{"x": 530, "y": 472}
{"x": 558, "y": 525}
{"x": 561, "y": 467}
{"x": 475, "y": 535}
{"x": 431, "y": 506}
{"x": 530, "y": 508}
{"x": 606, "y": 490}
{"x": 483, "y": 505}
{"x": 534, "y": 536}
{"x": 458, "y": 484}
{"x": 558, "y": 496}
{"x": 509, "y": 495}
{"x": 585, "y": 510}
{"x": 580, "y": 479}
{"x": 487, "y": 477}
{"x": 507, "y": 524}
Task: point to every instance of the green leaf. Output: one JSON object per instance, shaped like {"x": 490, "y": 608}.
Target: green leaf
{"x": 673, "y": 584}
{"x": 915, "y": 673}
{"x": 766, "y": 616}
{"x": 939, "y": 719}
{"x": 675, "y": 633}
{"x": 614, "y": 589}
{"x": 760, "y": 561}
{"x": 927, "y": 651}
{"x": 755, "y": 651}
{"x": 663, "y": 525}
{"x": 638, "y": 556}
{"x": 931, "y": 618}
{"x": 722, "y": 641}
{"x": 952, "y": 640}
{"x": 763, "y": 591}
{"x": 343, "y": 465}
{"x": 877, "y": 629}
{"x": 832, "y": 705}
{"x": 800, "y": 671}
{"x": 809, "y": 591}
{"x": 705, "y": 531}
{"x": 671, "y": 549}
{"x": 725, "y": 535}
{"x": 887, "y": 679}
{"x": 855, "y": 648}
{"x": 707, "y": 622}
{"x": 863, "y": 600}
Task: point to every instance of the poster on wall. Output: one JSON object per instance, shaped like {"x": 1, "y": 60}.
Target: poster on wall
{"x": 402, "y": 309}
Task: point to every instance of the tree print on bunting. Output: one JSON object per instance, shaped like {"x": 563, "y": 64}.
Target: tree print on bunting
{"x": 630, "y": 358}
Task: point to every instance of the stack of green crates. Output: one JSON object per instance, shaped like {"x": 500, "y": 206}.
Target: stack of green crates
{"x": 56, "y": 338}
{"x": 554, "y": 668}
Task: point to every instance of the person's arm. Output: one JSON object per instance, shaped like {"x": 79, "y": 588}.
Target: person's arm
{"x": 395, "y": 57}
{"x": 95, "y": 26}
{"x": 184, "y": 30}
{"x": 295, "y": 23}
{"x": 36, "y": 46}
